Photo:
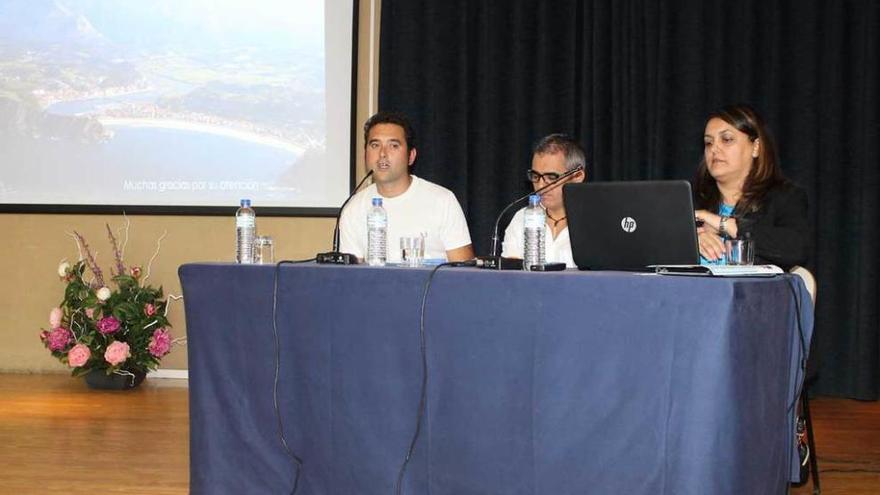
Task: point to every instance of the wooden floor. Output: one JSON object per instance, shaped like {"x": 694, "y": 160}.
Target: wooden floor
{"x": 848, "y": 444}
{"x": 57, "y": 436}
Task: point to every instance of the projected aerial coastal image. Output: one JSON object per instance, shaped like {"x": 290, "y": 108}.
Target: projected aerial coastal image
{"x": 165, "y": 102}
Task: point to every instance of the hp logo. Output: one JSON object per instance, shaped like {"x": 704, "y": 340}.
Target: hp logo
{"x": 628, "y": 224}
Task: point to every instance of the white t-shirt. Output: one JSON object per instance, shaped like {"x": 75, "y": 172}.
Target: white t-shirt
{"x": 557, "y": 250}
{"x": 424, "y": 207}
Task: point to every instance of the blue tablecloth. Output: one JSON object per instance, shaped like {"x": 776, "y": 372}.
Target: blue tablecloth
{"x": 539, "y": 383}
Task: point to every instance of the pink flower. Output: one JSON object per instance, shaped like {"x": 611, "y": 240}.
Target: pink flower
{"x": 55, "y": 317}
{"x": 149, "y": 309}
{"x": 59, "y": 339}
{"x": 135, "y": 271}
{"x": 117, "y": 353}
{"x": 90, "y": 312}
{"x": 78, "y": 355}
{"x": 160, "y": 344}
{"x": 44, "y": 335}
{"x": 108, "y": 325}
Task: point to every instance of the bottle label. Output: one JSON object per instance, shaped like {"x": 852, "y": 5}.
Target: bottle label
{"x": 534, "y": 221}
{"x": 245, "y": 222}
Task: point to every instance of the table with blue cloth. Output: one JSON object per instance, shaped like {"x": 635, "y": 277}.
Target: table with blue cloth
{"x": 538, "y": 383}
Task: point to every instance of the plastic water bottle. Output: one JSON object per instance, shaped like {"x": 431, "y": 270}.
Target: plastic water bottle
{"x": 533, "y": 244}
{"x": 377, "y": 234}
{"x": 245, "y": 231}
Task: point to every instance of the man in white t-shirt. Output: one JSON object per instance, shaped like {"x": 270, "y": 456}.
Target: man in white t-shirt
{"x": 552, "y": 156}
{"x": 414, "y": 206}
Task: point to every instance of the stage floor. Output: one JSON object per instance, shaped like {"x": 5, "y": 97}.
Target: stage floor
{"x": 60, "y": 437}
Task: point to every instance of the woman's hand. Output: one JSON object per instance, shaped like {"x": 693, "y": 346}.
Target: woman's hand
{"x": 708, "y": 220}
{"x": 712, "y": 223}
{"x": 711, "y": 246}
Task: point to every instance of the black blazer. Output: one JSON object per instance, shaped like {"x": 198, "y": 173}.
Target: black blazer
{"x": 780, "y": 228}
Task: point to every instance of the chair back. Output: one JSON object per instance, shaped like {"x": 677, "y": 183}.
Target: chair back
{"x": 808, "y": 278}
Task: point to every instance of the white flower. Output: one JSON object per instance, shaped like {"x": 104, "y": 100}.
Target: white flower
{"x": 62, "y": 268}
{"x": 103, "y": 293}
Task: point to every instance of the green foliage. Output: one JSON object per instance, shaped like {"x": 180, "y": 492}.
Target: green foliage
{"x": 138, "y": 309}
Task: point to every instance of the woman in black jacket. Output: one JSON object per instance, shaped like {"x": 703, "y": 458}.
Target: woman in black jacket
{"x": 740, "y": 192}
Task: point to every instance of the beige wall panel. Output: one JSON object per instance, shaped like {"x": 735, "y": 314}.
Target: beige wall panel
{"x": 39, "y": 243}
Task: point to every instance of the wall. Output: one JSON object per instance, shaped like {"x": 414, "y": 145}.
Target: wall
{"x": 36, "y": 243}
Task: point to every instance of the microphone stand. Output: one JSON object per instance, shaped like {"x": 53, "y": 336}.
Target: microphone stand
{"x": 496, "y": 262}
{"x": 335, "y": 257}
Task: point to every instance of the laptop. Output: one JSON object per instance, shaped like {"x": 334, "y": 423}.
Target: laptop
{"x": 631, "y": 225}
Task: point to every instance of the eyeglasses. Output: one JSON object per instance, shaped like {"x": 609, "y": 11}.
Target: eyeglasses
{"x": 536, "y": 177}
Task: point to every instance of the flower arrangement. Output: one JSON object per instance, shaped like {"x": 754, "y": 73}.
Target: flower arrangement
{"x": 121, "y": 330}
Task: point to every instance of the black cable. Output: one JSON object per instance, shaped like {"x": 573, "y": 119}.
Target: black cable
{"x": 339, "y": 215}
{"x": 803, "y": 357}
{"x": 803, "y": 342}
{"x": 424, "y": 387}
{"x": 297, "y": 461}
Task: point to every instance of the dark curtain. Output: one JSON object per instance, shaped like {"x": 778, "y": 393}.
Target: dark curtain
{"x": 634, "y": 81}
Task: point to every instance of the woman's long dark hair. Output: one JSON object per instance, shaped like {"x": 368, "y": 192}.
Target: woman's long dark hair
{"x": 764, "y": 175}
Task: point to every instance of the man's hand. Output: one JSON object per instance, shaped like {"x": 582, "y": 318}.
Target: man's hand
{"x": 463, "y": 253}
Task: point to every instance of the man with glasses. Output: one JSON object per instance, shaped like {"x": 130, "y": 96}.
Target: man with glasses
{"x": 414, "y": 205}
{"x": 552, "y": 156}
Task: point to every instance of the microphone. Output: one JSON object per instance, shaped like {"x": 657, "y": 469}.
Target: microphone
{"x": 496, "y": 262}
{"x": 335, "y": 257}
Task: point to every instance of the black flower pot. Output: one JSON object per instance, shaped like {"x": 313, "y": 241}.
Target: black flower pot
{"x": 99, "y": 379}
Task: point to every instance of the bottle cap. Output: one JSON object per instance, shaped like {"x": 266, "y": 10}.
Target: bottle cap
{"x": 377, "y": 201}
{"x": 245, "y": 203}
{"x": 534, "y": 200}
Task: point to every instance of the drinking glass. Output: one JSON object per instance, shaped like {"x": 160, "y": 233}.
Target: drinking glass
{"x": 740, "y": 251}
{"x": 264, "y": 250}
{"x": 412, "y": 250}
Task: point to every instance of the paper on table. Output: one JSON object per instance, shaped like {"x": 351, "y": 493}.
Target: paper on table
{"x": 720, "y": 270}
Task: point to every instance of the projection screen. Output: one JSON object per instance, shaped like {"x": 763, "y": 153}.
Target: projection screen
{"x": 176, "y": 106}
